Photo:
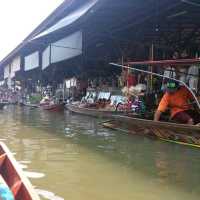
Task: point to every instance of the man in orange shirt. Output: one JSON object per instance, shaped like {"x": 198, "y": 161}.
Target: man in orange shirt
{"x": 177, "y": 99}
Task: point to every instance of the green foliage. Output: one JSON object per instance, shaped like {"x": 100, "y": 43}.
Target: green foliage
{"x": 35, "y": 98}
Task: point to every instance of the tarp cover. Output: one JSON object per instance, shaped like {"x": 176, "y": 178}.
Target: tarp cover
{"x": 64, "y": 49}
{"x": 46, "y": 58}
{"x": 15, "y": 66}
{"x": 31, "y": 61}
{"x": 67, "y": 47}
{"x": 6, "y": 72}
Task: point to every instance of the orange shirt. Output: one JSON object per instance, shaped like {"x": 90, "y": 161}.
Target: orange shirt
{"x": 177, "y": 101}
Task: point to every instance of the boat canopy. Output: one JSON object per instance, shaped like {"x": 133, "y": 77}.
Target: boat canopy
{"x": 64, "y": 49}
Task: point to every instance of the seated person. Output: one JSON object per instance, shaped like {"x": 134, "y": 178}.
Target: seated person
{"x": 177, "y": 99}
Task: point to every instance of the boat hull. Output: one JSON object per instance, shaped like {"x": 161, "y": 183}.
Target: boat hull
{"x": 29, "y": 105}
{"x": 54, "y": 108}
{"x": 93, "y": 112}
{"x": 14, "y": 176}
{"x": 182, "y": 133}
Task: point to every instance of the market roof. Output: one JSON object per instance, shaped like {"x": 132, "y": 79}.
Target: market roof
{"x": 56, "y": 15}
{"x": 69, "y": 19}
{"x": 157, "y": 20}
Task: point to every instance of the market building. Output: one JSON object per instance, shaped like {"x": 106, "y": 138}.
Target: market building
{"x": 76, "y": 43}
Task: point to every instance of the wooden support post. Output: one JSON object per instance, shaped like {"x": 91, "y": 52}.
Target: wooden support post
{"x": 50, "y": 54}
{"x": 151, "y": 58}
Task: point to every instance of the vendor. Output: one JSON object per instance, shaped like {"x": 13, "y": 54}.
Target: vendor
{"x": 177, "y": 99}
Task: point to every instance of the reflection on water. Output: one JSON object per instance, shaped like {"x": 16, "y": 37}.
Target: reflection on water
{"x": 75, "y": 158}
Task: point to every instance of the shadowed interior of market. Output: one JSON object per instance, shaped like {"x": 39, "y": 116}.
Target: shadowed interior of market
{"x": 108, "y": 32}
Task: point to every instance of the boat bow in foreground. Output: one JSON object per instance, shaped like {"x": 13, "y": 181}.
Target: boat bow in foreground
{"x": 13, "y": 177}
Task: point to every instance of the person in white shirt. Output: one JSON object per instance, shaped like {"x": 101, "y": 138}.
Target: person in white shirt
{"x": 193, "y": 77}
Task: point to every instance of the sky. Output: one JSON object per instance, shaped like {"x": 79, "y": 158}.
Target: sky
{"x": 18, "y": 18}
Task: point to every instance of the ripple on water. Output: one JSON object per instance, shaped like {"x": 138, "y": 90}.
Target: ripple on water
{"x": 24, "y": 162}
{"x": 48, "y": 195}
{"x": 69, "y": 133}
{"x": 34, "y": 175}
{"x": 23, "y": 166}
{"x": 105, "y": 134}
{"x": 97, "y": 163}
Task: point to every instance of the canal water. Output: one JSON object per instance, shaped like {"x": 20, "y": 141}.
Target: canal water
{"x": 73, "y": 157}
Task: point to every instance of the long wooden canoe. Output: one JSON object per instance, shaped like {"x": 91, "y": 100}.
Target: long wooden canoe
{"x": 93, "y": 112}
{"x": 186, "y": 134}
{"x": 13, "y": 176}
{"x": 29, "y": 105}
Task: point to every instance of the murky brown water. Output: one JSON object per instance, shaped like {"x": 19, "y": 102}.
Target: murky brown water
{"x": 77, "y": 159}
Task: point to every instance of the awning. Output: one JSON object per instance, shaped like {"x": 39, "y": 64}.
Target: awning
{"x": 64, "y": 49}
{"x": 15, "y": 66}
{"x": 69, "y": 19}
{"x": 6, "y": 72}
{"x": 31, "y": 61}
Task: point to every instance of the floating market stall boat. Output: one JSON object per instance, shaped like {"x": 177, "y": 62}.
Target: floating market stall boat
{"x": 51, "y": 105}
{"x": 168, "y": 131}
{"x": 95, "y": 110}
{"x": 29, "y": 105}
{"x": 13, "y": 183}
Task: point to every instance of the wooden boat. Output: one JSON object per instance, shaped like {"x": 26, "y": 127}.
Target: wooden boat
{"x": 53, "y": 107}
{"x": 29, "y": 105}
{"x": 101, "y": 113}
{"x": 13, "y": 178}
{"x": 180, "y": 133}
{"x": 168, "y": 131}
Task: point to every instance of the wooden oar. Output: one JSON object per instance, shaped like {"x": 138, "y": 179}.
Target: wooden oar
{"x": 181, "y": 143}
{"x": 107, "y": 121}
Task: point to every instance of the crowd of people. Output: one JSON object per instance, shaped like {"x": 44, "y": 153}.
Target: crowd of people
{"x": 9, "y": 95}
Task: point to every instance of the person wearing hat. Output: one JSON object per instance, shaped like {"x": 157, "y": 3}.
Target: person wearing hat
{"x": 177, "y": 99}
